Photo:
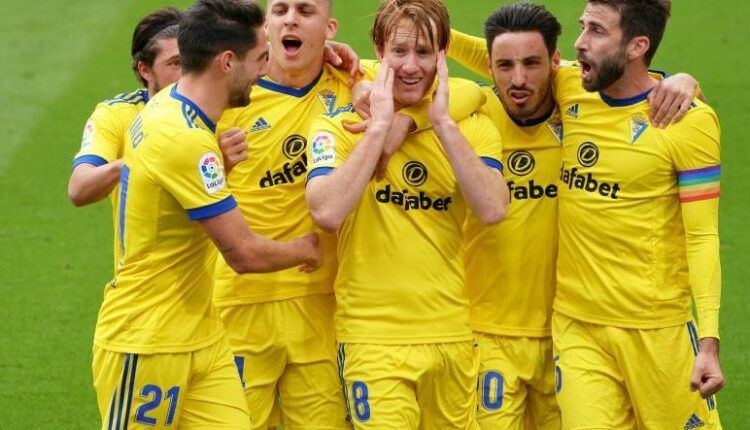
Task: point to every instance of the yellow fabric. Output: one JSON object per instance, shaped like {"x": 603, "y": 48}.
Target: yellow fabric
{"x": 104, "y": 136}
{"x": 516, "y": 388}
{"x": 286, "y": 351}
{"x": 624, "y": 257}
{"x": 193, "y": 390}
{"x": 470, "y": 52}
{"x": 410, "y": 387}
{"x": 628, "y": 378}
{"x": 510, "y": 266}
{"x": 270, "y": 185}
{"x": 401, "y": 275}
{"x": 160, "y": 300}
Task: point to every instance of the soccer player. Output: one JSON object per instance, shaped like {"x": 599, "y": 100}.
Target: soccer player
{"x": 161, "y": 358}
{"x": 510, "y": 267}
{"x": 280, "y": 325}
{"x": 638, "y": 237}
{"x": 156, "y": 63}
{"x": 406, "y": 355}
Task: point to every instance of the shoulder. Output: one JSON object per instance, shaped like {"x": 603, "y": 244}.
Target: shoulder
{"x": 699, "y": 118}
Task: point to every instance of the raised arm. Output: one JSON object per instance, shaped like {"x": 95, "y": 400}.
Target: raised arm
{"x": 481, "y": 183}
{"x": 90, "y": 183}
{"x": 470, "y": 52}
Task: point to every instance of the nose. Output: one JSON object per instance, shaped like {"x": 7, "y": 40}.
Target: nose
{"x": 410, "y": 64}
{"x": 518, "y": 79}
{"x": 580, "y": 44}
{"x": 291, "y": 18}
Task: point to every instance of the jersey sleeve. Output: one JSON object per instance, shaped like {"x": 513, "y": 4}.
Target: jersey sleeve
{"x": 194, "y": 175}
{"x": 330, "y": 145}
{"x": 695, "y": 150}
{"x": 470, "y": 52}
{"x": 484, "y": 138}
{"x": 103, "y": 137}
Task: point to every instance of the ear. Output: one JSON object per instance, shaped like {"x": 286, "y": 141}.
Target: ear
{"x": 332, "y": 29}
{"x": 379, "y": 52}
{"x": 145, "y": 71}
{"x": 555, "y": 60}
{"x": 638, "y": 47}
{"x": 225, "y": 61}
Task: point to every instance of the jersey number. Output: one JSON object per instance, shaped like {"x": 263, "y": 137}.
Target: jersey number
{"x": 492, "y": 391}
{"x": 154, "y": 394}
{"x": 360, "y": 396}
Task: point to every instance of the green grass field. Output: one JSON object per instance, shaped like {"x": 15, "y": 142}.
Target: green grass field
{"x": 60, "y": 58}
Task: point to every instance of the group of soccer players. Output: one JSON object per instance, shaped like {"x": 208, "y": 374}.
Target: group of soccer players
{"x": 516, "y": 257}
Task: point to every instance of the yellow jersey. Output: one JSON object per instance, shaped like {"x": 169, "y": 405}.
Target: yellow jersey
{"x": 401, "y": 274}
{"x": 104, "y": 136}
{"x": 173, "y": 176}
{"x": 631, "y": 242}
{"x": 270, "y": 185}
{"x": 510, "y": 266}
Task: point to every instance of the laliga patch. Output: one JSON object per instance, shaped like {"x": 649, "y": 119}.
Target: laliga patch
{"x": 323, "y": 149}
{"x": 212, "y": 173}
{"x": 88, "y": 134}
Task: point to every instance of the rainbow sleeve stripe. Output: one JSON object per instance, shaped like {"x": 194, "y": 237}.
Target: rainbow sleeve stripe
{"x": 699, "y": 184}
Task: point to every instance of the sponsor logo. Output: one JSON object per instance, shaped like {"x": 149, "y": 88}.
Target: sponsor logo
{"x": 573, "y": 178}
{"x": 323, "y": 148}
{"x": 521, "y": 163}
{"x": 588, "y": 154}
{"x": 88, "y": 134}
{"x": 531, "y": 191}
{"x": 573, "y": 111}
{"x": 260, "y": 125}
{"x": 212, "y": 173}
{"x": 412, "y": 202}
{"x": 638, "y": 125}
{"x": 293, "y": 148}
{"x": 414, "y": 173}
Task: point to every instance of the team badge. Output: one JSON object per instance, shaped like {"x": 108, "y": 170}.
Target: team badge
{"x": 212, "y": 173}
{"x": 556, "y": 127}
{"x": 88, "y": 135}
{"x": 323, "y": 148}
{"x": 638, "y": 124}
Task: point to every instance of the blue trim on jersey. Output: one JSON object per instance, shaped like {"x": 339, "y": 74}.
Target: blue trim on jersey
{"x": 341, "y": 362}
{"x": 132, "y": 98}
{"x": 131, "y": 386}
{"x": 94, "y": 160}
{"x": 294, "y": 92}
{"x": 318, "y": 171}
{"x": 177, "y": 96}
{"x": 534, "y": 121}
{"x": 491, "y": 162}
{"x": 112, "y": 410}
{"x": 613, "y": 102}
{"x": 124, "y": 179}
{"x": 212, "y": 210}
{"x": 664, "y": 74}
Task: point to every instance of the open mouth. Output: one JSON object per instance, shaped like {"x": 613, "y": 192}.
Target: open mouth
{"x": 410, "y": 81}
{"x": 519, "y": 97}
{"x": 585, "y": 68}
{"x": 291, "y": 44}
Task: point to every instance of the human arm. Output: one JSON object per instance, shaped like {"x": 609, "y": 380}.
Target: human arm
{"x": 333, "y": 195}
{"x": 89, "y": 183}
{"x": 480, "y": 181}
{"x": 248, "y": 252}
{"x": 343, "y": 57}
{"x": 470, "y": 52}
{"x": 671, "y": 99}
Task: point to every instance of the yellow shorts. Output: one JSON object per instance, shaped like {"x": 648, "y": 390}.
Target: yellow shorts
{"x": 406, "y": 387}
{"x": 616, "y": 378}
{"x": 516, "y": 388}
{"x": 194, "y": 390}
{"x": 286, "y": 354}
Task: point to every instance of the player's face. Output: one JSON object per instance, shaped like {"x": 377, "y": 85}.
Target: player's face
{"x": 522, "y": 70}
{"x": 414, "y": 61}
{"x": 247, "y": 72}
{"x": 297, "y": 30}
{"x": 166, "y": 68}
{"x": 600, "y": 50}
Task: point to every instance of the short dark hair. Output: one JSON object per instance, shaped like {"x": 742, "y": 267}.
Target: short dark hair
{"x": 641, "y": 18}
{"x": 159, "y": 25}
{"x": 522, "y": 17}
{"x": 213, "y": 26}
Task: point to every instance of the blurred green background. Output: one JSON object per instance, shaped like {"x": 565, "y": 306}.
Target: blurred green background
{"x": 61, "y": 58}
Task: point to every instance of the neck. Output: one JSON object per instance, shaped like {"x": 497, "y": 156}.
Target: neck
{"x": 633, "y": 82}
{"x": 209, "y": 94}
{"x": 294, "y": 78}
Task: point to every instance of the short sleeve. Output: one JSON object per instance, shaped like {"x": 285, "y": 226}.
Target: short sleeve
{"x": 330, "y": 145}
{"x": 484, "y": 138}
{"x": 103, "y": 137}
{"x": 191, "y": 169}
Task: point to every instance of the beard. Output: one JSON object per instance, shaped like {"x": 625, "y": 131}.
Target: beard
{"x": 610, "y": 71}
{"x": 239, "y": 95}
